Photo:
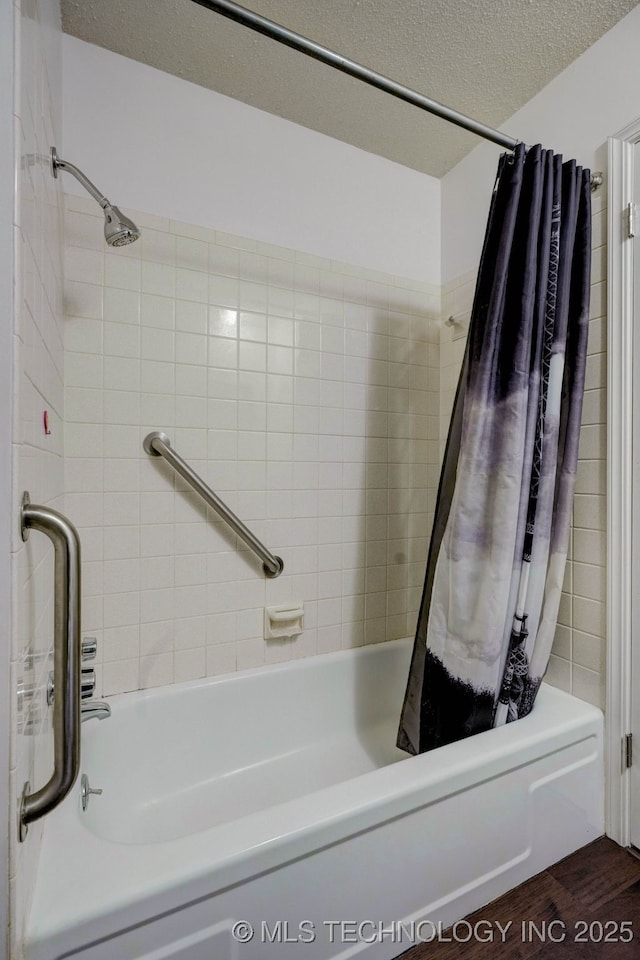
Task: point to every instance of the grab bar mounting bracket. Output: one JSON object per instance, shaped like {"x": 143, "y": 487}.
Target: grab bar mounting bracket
{"x": 26, "y": 500}
{"x": 23, "y": 826}
{"x": 147, "y": 443}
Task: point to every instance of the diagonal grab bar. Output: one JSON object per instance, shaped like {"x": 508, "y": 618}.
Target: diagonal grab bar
{"x": 66, "y": 661}
{"x": 157, "y": 444}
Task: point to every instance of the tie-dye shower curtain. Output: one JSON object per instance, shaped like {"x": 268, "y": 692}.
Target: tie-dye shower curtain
{"x": 501, "y": 530}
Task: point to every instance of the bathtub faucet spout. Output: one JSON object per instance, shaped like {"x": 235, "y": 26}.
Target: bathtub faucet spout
{"x": 94, "y": 708}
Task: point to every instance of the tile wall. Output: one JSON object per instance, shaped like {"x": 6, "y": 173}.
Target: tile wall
{"x": 305, "y": 392}
{"x": 37, "y": 457}
{"x": 578, "y": 660}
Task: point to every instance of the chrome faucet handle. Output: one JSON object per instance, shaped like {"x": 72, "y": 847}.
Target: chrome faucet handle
{"x": 87, "y": 683}
{"x": 89, "y": 648}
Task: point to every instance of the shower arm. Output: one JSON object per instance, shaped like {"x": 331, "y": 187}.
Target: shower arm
{"x": 58, "y": 164}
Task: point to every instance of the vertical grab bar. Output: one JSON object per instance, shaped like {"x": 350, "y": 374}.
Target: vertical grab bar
{"x": 66, "y": 661}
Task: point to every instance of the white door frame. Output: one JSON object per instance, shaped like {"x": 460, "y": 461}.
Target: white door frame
{"x": 619, "y": 479}
{"x": 7, "y": 514}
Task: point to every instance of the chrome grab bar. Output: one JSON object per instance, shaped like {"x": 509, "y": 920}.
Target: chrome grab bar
{"x": 66, "y": 661}
{"x": 157, "y": 444}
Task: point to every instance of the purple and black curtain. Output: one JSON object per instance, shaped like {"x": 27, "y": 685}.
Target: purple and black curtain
{"x": 501, "y": 530}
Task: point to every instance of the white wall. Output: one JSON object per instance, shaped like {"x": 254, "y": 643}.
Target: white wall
{"x": 152, "y": 141}
{"x": 592, "y": 99}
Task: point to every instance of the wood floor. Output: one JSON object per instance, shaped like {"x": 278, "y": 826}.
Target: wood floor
{"x": 593, "y": 895}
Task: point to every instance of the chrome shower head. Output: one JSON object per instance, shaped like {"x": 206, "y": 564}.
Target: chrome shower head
{"x": 118, "y": 229}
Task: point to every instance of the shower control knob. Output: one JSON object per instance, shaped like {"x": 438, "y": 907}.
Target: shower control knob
{"x": 89, "y": 648}
{"x": 87, "y": 683}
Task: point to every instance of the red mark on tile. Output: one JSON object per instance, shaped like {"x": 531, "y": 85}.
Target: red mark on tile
{"x": 45, "y": 423}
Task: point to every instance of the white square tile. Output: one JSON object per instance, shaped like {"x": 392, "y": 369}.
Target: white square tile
{"x": 157, "y": 311}
{"x": 192, "y": 285}
{"x": 156, "y": 638}
{"x": 83, "y": 335}
{"x": 121, "y": 542}
{"x": 157, "y": 540}
{"x": 82, "y": 370}
{"x": 83, "y": 300}
{"x": 252, "y": 356}
{"x": 223, "y": 322}
{"x": 121, "y": 306}
{"x": 250, "y": 653}
{"x": 191, "y": 380}
{"x": 223, "y": 260}
{"x": 156, "y": 377}
{"x": 223, "y": 384}
{"x": 221, "y": 658}
{"x": 122, "y": 270}
{"x": 121, "y": 373}
{"x": 280, "y": 360}
{"x": 252, "y": 445}
{"x": 189, "y": 664}
{"x": 192, "y": 254}
{"x": 156, "y": 671}
{"x": 280, "y": 417}
{"x": 121, "y": 407}
{"x": 159, "y": 246}
{"x": 223, "y": 291}
{"x": 83, "y": 405}
{"x": 223, "y": 353}
{"x": 252, "y": 326}
{"x": 120, "y": 643}
{"x": 279, "y": 388}
{"x": 190, "y": 316}
{"x": 84, "y": 265}
{"x": 280, "y": 331}
{"x": 122, "y": 609}
{"x": 588, "y": 685}
{"x": 252, "y": 296}
{"x": 158, "y": 344}
{"x": 158, "y": 279}
{"x": 190, "y": 632}
{"x": 121, "y": 340}
{"x": 156, "y": 605}
{"x": 120, "y": 677}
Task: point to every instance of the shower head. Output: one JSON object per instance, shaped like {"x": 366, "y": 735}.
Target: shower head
{"x": 118, "y": 229}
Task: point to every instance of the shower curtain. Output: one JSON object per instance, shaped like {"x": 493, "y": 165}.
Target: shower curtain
{"x": 501, "y": 530}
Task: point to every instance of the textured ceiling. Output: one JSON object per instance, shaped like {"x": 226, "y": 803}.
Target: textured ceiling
{"x": 485, "y": 58}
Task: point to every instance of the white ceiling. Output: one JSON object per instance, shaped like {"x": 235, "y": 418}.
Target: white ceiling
{"x": 485, "y": 58}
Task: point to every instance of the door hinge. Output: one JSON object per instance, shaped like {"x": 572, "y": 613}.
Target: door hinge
{"x": 627, "y": 750}
{"x": 631, "y": 219}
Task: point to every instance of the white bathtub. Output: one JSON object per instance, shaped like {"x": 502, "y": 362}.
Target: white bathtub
{"x": 277, "y": 797}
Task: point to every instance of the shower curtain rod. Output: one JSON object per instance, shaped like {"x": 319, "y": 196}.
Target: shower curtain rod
{"x": 247, "y": 18}
{"x": 277, "y": 32}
